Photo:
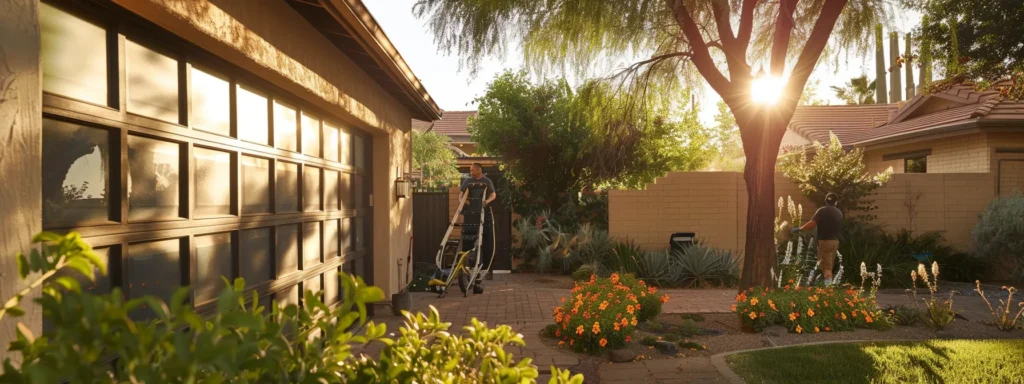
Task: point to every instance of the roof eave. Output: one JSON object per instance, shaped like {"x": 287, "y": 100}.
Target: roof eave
{"x": 372, "y": 37}
{"x": 945, "y": 128}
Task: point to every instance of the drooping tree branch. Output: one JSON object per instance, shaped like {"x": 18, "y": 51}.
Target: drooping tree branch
{"x": 700, "y": 57}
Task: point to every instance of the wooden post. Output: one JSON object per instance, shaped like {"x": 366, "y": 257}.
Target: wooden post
{"x": 20, "y": 150}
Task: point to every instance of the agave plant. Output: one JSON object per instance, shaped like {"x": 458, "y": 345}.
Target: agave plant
{"x": 698, "y": 266}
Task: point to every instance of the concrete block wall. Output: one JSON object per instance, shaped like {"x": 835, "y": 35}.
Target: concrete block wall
{"x": 714, "y": 205}
{"x": 960, "y": 154}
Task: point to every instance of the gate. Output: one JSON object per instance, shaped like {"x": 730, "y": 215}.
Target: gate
{"x": 429, "y": 222}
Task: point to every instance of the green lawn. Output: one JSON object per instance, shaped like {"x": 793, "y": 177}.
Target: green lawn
{"x": 938, "y": 361}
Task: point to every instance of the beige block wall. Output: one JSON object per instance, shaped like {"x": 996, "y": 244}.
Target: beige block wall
{"x": 272, "y": 41}
{"x": 713, "y": 204}
{"x": 960, "y": 154}
{"x": 1009, "y": 163}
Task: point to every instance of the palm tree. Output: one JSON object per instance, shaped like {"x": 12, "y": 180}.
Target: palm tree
{"x": 857, "y": 91}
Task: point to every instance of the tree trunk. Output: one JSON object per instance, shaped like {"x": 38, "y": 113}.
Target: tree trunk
{"x": 761, "y": 139}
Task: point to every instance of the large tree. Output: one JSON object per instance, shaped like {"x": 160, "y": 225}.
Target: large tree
{"x": 555, "y": 141}
{"x": 724, "y": 41}
{"x": 978, "y": 41}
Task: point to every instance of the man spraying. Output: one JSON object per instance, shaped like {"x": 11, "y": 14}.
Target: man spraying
{"x": 827, "y": 219}
{"x": 476, "y": 173}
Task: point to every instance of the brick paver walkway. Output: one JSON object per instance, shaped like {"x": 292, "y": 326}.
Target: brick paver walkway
{"x": 526, "y": 302}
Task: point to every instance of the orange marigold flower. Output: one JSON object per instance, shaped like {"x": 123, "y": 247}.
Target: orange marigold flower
{"x": 638, "y": 306}
{"x": 604, "y": 305}
{"x": 799, "y": 329}
{"x": 816, "y": 330}
{"x": 827, "y": 329}
{"x": 753, "y": 301}
{"x": 868, "y": 319}
{"x": 628, "y": 339}
{"x": 558, "y": 318}
{"x": 616, "y": 327}
{"x": 630, "y": 309}
{"x": 563, "y": 300}
{"x": 633, "y": 322}
{"x": 843, "y": 315}
{"x": 741, "y": 297}
{"x": 734, "y": 307}
{"x": 664, "y": 298}
{"x": 771, "y": 304}
{"x": 597, "y": 328}
{"x": 625, "y": 322}
{"x": 561, "y": 343}
{"x": 558, "y": 332}
{"x": 793, "y": 316}
{"x": 579, "y": 330}
{"x": 652, "y": 290}
{"x": 603, "y": 342}
{"x": 753, "y": 315}
{"x": 810, "y": 312}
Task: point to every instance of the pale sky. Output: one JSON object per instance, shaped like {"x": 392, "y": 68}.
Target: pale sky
{"x": 454, "y": 90}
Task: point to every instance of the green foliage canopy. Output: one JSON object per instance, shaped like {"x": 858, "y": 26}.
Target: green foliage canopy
{"x": 432, "y": 154}
{"x": 834, "y": 169}
{"x": 555, "y": 141}
{"x": 975, "y": 41}
{"x": 857, "y": 91}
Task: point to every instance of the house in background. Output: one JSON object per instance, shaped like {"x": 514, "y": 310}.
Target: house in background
{"x": 959, "y": 130}
{"x": 192, "y": 140}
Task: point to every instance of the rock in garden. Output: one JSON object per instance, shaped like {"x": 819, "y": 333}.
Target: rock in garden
{"x": 776, "y": 331}
{"x": 620, "y": 356}
{"x": 667, "y": 348}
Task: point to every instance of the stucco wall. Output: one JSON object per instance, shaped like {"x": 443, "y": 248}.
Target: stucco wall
{"x": 713, "y": 204}
{"x": 274, "y": 42}
{"x": 1008, "y": 161}
{"x": 960, "y": 154}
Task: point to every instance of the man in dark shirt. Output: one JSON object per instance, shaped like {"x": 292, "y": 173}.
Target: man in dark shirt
{"x": 476, "y": 173}
{"x": 827, "y": 219}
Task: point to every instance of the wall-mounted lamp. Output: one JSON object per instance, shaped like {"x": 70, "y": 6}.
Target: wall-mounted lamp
{"x": 403, "y": 188}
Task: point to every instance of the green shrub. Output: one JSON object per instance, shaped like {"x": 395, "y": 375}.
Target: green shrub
{"x": 599, "y": 315}
{"x": 1000, "y": 231}
{"x": 625, "y": 258}
{"x": 903, "y": 315}
{"x": 810, "y": 310}
{"x": 241, "y": 342}
{"x": 698, "y": 266}
{"x": 869, "y": 244}
{"x": 648, "y": 298}
{"x": 584, "y": 272}
{"x": 657, "y": 269}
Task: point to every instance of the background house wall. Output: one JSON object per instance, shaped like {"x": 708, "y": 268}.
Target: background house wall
{"x": 713, "y": 204}
{"x": 960, "y": 154}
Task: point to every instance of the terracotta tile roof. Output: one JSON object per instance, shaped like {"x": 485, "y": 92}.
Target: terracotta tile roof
{"x": 849, "y": 123}
{"x": 858, "y": 125}
{"x": 453, "y": 124}
{"x": 421, "y": 126}
{"x": 959, "y": 105}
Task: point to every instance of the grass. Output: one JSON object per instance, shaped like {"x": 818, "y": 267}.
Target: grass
{"x": 936, "y": 361}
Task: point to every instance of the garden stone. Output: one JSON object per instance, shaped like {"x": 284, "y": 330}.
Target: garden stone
{"x": 776, "y": 331}
{"x": 667, "y": 348}
{"x": 621, "y": 355}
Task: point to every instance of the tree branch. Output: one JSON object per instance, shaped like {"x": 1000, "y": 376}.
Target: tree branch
{"x": 783, "y": 31}
{"x": 819, "y": 37}
{"x": 700, "y": 57}
{"x": 746, "y": 24}
{"x": 735, "y": 53}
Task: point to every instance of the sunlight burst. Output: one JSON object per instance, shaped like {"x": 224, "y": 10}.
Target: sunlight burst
{"x": 766, "y": 89}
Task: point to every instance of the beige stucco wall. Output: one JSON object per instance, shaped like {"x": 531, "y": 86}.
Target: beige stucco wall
{"x": 1009, "y": 164}
{"x": 958, "y": 154}
{"x": 713, "y": 204}
{"x": 272, "y": 41}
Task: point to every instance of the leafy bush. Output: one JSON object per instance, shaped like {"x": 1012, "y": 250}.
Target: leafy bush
{"x": 584, "y": 272}
{"x": 599, "y": 315}
{"x": 837, "y": 170}
{"x": 1004, "y": 319}
{"x": 869, "y": 244}
{"x": 704, "y": 267}
{"x": 937, "y": 313}
{"x": 903, "y": 315}
{"x": 240, "y": 342}
{"x": 810, "y": 310}
{"x": 1000, "y": 231}
{"x": 648, "y": 298}
{"x": 626, "y": 257}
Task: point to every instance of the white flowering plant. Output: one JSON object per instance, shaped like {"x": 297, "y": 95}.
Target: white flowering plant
{"x": 937, "y": 312}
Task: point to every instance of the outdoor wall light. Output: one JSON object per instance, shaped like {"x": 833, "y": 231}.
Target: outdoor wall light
{"x": 403, "y": 188}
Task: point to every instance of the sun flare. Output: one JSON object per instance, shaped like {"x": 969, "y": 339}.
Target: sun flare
{"x": 766, "y": 90}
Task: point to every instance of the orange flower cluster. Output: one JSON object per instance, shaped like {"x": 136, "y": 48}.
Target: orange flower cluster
{"x": 810, "y": 309}
{"x": 599, "y": 314}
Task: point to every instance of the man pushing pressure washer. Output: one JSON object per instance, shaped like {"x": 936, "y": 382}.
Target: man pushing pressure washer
{"x": 476, "y": 176}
